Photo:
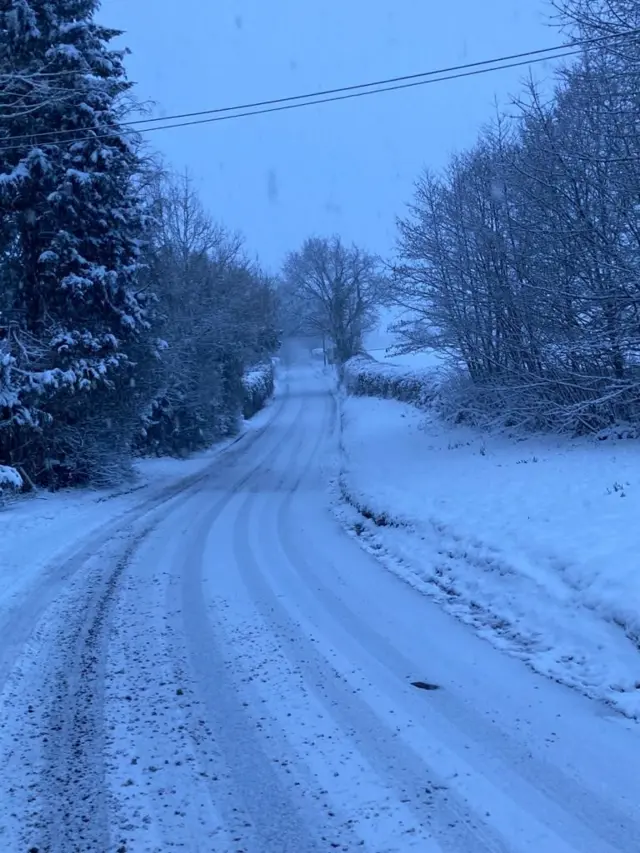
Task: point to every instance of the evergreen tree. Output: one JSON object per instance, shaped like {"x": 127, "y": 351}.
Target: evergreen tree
{"x": 70, "y": 238}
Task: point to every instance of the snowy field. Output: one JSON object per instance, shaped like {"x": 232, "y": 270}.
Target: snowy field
{"x": 534, "y": 542}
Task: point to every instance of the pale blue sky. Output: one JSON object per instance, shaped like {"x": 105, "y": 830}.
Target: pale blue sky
{"x": 348, "y": 167}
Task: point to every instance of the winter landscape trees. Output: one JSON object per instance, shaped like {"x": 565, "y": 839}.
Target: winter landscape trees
{"x": 126, "y": 316}
{"x": 520, "y": 261}
{"x": 217, "y": 316}
{"x": 70, "y": 241}
{"x": 333, "y": 290}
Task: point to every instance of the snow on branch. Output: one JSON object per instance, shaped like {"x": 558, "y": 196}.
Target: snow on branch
{"x": 258, "y": 384}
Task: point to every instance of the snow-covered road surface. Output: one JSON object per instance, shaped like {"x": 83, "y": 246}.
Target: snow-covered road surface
{"x": 226, "y": 670}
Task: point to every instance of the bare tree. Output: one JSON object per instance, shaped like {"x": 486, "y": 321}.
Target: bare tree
{"x": 522, "y": 259}
{"x": 333, "y": 290}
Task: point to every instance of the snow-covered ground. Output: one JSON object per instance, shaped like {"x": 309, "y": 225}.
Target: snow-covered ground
{"x": 212, "y": 664}
{"x": 534, "y": 541}
{"x": 39, "y": 534}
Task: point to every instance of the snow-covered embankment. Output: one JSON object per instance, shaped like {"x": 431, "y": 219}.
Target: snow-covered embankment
{"x": 533, "y": 540}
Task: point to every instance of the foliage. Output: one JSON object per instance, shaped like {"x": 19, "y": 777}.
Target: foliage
{"x": 70, "y": 231}
{"x": 366, "y": 377}
{"x": 218, "y": 319}
{"x": 127, "y": 317}
{"x": 258, "y": 385}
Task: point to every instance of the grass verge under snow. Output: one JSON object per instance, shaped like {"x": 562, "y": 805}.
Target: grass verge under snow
{"x": 533, "y": 541}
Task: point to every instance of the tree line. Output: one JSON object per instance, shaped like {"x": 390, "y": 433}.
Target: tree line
{"x": 521, "y": 261}
{"x": 127, "y": 315}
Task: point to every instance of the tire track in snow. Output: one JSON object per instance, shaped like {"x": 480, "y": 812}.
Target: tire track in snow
{"x": 17, "y": 626}
{"x": 64, "y": 759}
{"x": 525, "y": 777}
{"x": 167, "y": 766}
{"x": 199, "y": 738}
{"x": 166, "y": 769}
{"x": 75, "y": 816}
{"x": 539, "y": 783}
{"x": 269, "y": 817}
{"x": 388, "y": 763}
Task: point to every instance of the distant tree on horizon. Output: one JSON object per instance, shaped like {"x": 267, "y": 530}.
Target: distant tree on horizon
{"x": 334, "y": 291}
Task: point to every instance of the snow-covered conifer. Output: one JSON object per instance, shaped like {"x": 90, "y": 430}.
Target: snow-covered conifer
{"x": 71, "y": 221}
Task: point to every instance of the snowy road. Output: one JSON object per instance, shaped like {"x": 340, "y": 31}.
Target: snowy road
{"x": 226, "y": 670}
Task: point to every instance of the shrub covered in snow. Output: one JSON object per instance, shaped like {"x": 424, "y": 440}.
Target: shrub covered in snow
{"x": 10, "y": 480}
{"x": 503, "y": 259}
{"x": 489, "y": 405}
{"x": 101, "y": 253}
{"x": 509, "y": 404}
{"x": 258, "y": 384}
{"x": 218, "y": 317}
{"x": 366, "y": 377}
{"x": 176, "y": 424}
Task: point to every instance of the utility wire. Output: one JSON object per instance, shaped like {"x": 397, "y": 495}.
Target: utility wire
{"x": 542, "y": 52}
{"x": 38, "y": 75}
{"x": 275, "y": 109}
{"x": 35, "y": 138}
{"x": 388, "y": 82}
{"x": 329, "y": 95}
{"x": 349, "y": 96}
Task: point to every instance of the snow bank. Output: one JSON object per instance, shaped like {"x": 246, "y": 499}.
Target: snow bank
{"x": 533, "y": 541}
{"x": 259, "y": 383}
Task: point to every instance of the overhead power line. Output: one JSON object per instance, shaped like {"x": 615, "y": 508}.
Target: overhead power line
{"x": 227, "y": 114}
{"x": 391, "y": 81}
{"x": 343, "y": 93}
